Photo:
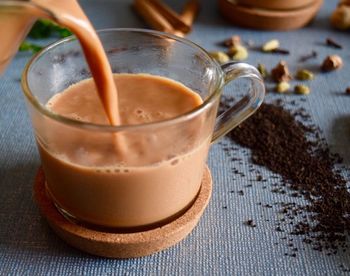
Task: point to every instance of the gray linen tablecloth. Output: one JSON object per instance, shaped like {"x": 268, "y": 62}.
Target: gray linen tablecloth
{"x": 221, "y": 244}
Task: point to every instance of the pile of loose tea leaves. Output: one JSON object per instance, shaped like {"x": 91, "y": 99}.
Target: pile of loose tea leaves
{"x": 281, "y": 143}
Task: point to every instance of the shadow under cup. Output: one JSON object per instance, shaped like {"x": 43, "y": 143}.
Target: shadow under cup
{"x": 140, "y": 189}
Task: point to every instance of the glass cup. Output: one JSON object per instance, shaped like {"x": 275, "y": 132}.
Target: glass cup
{"x": 92, "y": 183}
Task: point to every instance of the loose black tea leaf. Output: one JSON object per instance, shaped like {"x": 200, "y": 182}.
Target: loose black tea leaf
{"x": 282, "y": 144}
{"x": 250, "y": 223}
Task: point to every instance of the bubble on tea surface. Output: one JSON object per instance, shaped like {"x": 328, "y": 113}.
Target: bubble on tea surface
{"x": 139, "y": 111}
{"x": 159, "y": 115}
{"x": 76, "y": 117}
{"x": 107, "y": 170}
{"x": 152, "y": 138}
{"x": 144, "y": 116}
{"x": 140, "y": 153}
{"x": 126, "y": 170}
{"x": 117, "y": 170}
{"x": 174, "y": 162}
{"x": 170, "y": 156}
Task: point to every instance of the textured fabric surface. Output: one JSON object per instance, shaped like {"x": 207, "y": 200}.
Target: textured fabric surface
{"x": 221, "y": 244}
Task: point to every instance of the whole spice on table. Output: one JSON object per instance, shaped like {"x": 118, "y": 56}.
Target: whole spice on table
{"x": 152, "y": 16}
{"x": 282, "y": 87}
{"x": 161, "y": 17}
{"x": 285, "y": 146}
{"x": 238, "y": 52}
{"x": 302, "y": 90}
{"x": 220, "y": 57}
{"x": 331, "y": 63}
{"x": 333, "y": 43}
{"x": 340, "y": 18}
{"x": 271, "y": 45}
{"x": 234, "y": 40}
{"x": 347, "y": 91}
{"x": 281, "y": 72}
{"x": 344, "y": 2}
{"x": 281, "y": 51}
{"x": 262, "y": 70}
{"x": 190, "y": 11}
{"x": 304, "y": 74}
{"x": 173, "y": 18}
{"x": 307, "y": 57}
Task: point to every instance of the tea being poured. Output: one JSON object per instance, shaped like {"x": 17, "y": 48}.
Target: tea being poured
{"x": 17, "y": 17}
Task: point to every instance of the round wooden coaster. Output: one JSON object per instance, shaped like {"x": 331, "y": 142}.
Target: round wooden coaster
{"x": 122, "y": 245}
{"x": 268, "y": 19}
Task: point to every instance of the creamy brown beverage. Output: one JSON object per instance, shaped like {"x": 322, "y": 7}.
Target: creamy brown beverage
{"x": 164, "y": 168}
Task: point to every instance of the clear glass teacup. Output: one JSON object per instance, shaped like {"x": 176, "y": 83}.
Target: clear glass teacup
{"x": 126, "y": 193}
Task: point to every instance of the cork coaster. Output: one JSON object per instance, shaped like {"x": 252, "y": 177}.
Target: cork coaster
{"x": 122, "y": 245}
{"x": 267, "y": 19}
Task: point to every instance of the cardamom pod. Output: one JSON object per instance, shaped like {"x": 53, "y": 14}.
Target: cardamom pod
{"x": 238, "y": 52}
{"x": 302, "y": 89}
{"x": 270, "y": 45}
{"x": 220, "y": 57}
{"x": 304, "y": 74}
{"x": 282, "y": 87}
{"x": 262, "y": 70}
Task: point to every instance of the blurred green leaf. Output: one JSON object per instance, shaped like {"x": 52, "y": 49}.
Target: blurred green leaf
{"x": 27, "y": 46}
{"x": 44, "y": 28}
{"x": 62, "y": 32}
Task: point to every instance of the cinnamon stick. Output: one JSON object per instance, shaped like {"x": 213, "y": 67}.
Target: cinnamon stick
{"x": 162, "y": 18}
{"x": 190, "y": 11}
{"x": 152, "y": 17}
{"x": 174, "y": 19}
{"x": 178, "y": 33}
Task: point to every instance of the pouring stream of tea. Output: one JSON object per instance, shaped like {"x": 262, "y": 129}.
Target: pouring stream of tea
{"x": 69, "y": 14}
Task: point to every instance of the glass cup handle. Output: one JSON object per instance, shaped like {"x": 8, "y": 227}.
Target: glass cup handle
{"x": 244, "y": 107}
